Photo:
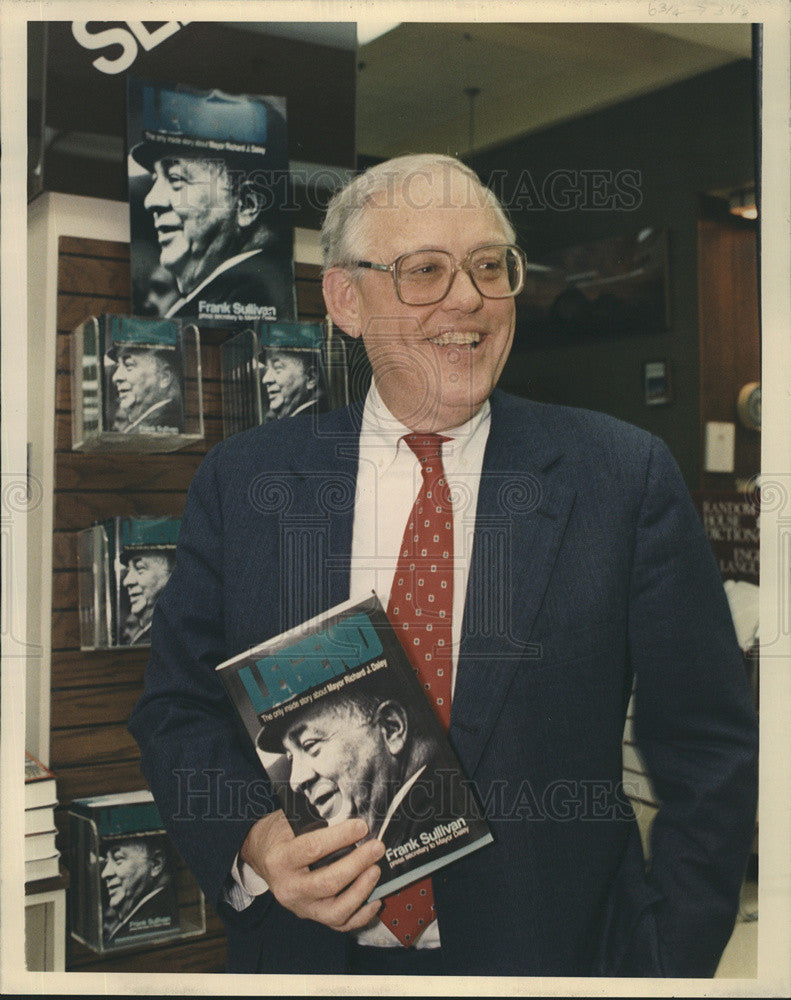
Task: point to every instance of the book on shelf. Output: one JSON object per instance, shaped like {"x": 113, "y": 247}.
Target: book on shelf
{"x": 123, "y": 564}
{"x": 136, "y": 384}
{"x": 39, "y": 820}
{"x": 343, "y": 728}
{"x": 41, "y": 868}
{"x": 41, "y": 845}
{"x": 276, "y": 370}
{"x": 40, "y": 784}
{"x": 128, "y": 886}
{"x": 42, "y": 858}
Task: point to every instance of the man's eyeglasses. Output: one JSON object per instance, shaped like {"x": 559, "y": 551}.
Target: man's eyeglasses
{"x": 424, "y": 277}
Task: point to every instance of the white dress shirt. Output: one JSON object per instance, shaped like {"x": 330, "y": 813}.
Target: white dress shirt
{"x": 388, "y": 481}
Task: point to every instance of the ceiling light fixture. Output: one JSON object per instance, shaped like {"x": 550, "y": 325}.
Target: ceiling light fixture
{"x": 742, "y": 203}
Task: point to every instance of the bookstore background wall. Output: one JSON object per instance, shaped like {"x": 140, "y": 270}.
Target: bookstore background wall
{"x": 93, "y": 692}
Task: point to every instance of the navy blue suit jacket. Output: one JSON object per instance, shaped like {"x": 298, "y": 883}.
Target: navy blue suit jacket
{"x": 589, "y": 569}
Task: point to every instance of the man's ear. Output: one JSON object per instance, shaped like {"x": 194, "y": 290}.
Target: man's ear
{"x": 391, "y": 718}
{"x": 166, "y": 376}
{"x": 156, "y": 862}
{"x": 342, "y": 300}
{"x": 249, "y": 204}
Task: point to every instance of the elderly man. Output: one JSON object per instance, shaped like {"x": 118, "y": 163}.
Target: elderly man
{"x": 570, "y": 565}
{"x": 144, "y": 577}
{"x": 214, "y": 208}
{"x": 291, "y": 380}
{"x": 146, "y": 383}
{"x": 136, "y": 877}
{"x": 364, "y": 751}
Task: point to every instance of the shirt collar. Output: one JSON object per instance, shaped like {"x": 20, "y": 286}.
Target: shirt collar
{"x": 382, "y": 431}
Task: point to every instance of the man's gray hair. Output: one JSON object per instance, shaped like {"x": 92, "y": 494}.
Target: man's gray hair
{"x": 341, "y": 233}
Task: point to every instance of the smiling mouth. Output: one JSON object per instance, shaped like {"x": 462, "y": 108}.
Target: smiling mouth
{"x": 323, "y": 804}
{"x": 165, "y": 233}
{"x": 459, "y": 338}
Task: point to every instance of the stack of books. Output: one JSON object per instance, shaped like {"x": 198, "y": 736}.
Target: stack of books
{"x": 41, "y": 855}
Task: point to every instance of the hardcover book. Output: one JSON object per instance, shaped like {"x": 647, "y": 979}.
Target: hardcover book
{"x": 128, "y": 886}
{"x": 41, "y": 854}
{"x": 276, "y": 370}
{"x": 342, "y": 727}
{"x": 136, "y": 384}
{"x": 40, "y": 788}
{"x": 209, "y": 197}
{"x": 123, "y": 565}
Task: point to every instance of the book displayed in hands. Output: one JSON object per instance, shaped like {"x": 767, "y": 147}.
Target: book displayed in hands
{"x": 276, "y": 370}
{"x": 343, "y": 729}
{"x": 128, "y": 886}
{"x": 123, "y": 565}
{"x": 136, "y": 384}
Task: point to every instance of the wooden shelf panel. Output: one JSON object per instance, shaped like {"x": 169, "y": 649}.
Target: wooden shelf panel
{"x": 103, "y": 471}
{"x": 94, "y": 692}
{"x": 81, "y": 707}
{"x": 72, "y": 668}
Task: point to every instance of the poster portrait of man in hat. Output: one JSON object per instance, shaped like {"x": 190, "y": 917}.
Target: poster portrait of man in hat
{"x": 208, "y": 175}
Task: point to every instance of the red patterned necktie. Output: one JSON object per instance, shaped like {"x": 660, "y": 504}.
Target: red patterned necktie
{"x": 421, "y": 610}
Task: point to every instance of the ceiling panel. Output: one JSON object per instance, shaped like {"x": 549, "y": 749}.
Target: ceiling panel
{"x": 412, "y": 81}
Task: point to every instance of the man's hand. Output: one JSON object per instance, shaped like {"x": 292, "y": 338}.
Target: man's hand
{"x": 334, "y": 894}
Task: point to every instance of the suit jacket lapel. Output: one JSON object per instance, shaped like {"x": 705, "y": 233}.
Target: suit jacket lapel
{"x": 316, "y": 529}
{"x": 523, "y": 509}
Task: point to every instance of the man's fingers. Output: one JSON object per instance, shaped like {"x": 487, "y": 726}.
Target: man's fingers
{"x": 329, "y": 880}
{"x": 348, "y": 910}
{"x": 310, "y": 847}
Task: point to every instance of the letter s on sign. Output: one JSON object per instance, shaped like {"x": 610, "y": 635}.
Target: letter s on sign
{"x": 101, "y": 39}
{"x": 127, "y": 38}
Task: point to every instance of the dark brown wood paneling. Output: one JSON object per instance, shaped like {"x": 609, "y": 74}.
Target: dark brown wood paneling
{"x": 93, "y": 691}
{"x": 74, "y": 309}
{"x": 75, "y": 471}
{"x": 730, "y": 353}
{"x": 74, "y": 511}
{"x": 76, "y": 668}
{"x": 101, "y": 744}
{"x": 64, "y": 587}
{"x": 80, "y": 706}
{"x": 99, "y": 779}
{"x": 80, "y": 247}
{"x": 99, "y": 276}
{"x": 65, "y": 629}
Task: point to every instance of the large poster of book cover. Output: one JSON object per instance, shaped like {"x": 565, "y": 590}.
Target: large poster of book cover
{"x": 343, "y": 729}
{"x": 211, "y": 235}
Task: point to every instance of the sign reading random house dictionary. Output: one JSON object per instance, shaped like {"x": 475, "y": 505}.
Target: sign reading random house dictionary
{"x": 343, "y": 729}
{"x": 211, "y": 238}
